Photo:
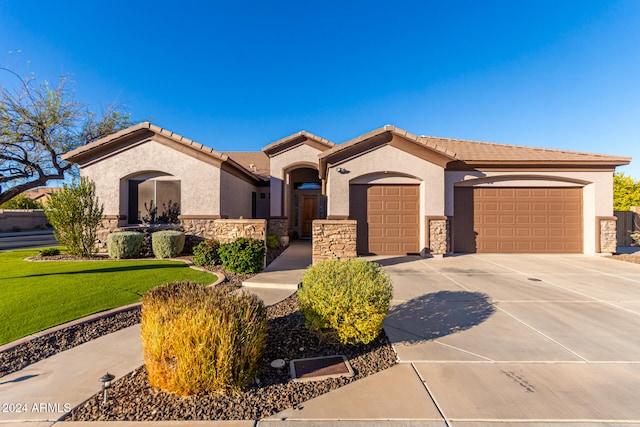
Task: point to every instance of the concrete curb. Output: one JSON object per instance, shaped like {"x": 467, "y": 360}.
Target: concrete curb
{"x": 26, "y": 233}
{"x": 101, "y": 314}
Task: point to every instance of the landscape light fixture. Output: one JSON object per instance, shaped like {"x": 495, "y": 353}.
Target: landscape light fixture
{"x": 106, "y": 384}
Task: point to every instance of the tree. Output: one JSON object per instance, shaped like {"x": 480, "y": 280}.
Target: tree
{"x": 21, "y": 202}
{"x": 75, "y": 214}
{"x": 626, "y": 192}
{"x": 38, "y": 123}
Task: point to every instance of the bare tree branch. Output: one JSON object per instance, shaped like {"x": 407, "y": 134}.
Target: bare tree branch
{"x": 39, "y": 123}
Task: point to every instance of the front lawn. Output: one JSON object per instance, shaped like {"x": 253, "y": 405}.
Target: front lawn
{"x": 38, "y": 295}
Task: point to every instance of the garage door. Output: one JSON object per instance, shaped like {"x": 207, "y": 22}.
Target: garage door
{"x": 388, "y": 218}
{"x": 518, "y": 220}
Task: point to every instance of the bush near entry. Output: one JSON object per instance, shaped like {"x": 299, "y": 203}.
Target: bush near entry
{"x": 206, "y": 253}
{"x": 349, "y": 299}
{"x": 243, "y": 255}
{"x": 201, "y": 340}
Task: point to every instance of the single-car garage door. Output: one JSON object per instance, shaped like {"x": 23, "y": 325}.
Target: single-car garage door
{"x": 518, "y": 220}
{"x": 388, "y": 218}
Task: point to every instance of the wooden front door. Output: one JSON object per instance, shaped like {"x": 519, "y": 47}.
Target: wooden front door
{"x": 309, "y": 209}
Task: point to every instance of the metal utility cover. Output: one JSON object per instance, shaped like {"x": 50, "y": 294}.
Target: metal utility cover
{"x": 320, "y": 368}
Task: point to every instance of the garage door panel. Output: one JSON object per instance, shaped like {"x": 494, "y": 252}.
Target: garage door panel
{"x": 518, "y": 220}
{"x": 391, "y": 222}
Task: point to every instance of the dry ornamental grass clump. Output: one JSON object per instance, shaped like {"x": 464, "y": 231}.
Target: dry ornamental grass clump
{"x": 199, "y": 340}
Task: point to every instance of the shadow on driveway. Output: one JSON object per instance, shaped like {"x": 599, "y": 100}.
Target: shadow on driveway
{"x": 438, "y": 314}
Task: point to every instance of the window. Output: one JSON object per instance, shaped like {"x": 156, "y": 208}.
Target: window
{"x": 154, "y": 201}
{"x": 307, "y": 186}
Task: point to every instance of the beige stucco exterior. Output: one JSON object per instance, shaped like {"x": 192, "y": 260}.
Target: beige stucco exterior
{"x": 302, "y": 155}
{"x": 231, "y": 187}
{"x": 111, "y": 174}
{"x": 214, "y": 185}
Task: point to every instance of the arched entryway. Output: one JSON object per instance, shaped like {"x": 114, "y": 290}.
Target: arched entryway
{"x": 305, "y": 202}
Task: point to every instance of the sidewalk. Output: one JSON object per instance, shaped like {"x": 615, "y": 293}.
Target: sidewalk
{"x": 286, "y": 271}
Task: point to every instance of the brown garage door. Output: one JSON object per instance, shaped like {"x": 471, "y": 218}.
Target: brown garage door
{"x": 518, "y": 220}
{"x": 388, "y": 218}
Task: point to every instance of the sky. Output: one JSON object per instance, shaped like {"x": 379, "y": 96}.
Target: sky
{"x": 238, "y": 75}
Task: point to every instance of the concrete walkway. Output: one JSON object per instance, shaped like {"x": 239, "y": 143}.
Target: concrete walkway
{"x": 286, "y": 271}
{"x": 482, "y": 340}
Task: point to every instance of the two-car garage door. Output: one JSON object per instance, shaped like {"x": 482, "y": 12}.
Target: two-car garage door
{"x": 518, "y": 220}
{"x": 486, "y": 220}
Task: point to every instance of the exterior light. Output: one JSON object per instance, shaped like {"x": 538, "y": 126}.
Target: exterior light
{"x": 106, "y": 384}
{"x": 342, "y": 170}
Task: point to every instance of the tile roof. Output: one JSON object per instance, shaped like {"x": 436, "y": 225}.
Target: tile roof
{"x": 489, "y": 152}
{"x": 255, "y": 162}
{"x": 74, "y": 154}
{"x": 477, "y": 152}
{"x": 302, "y": 135}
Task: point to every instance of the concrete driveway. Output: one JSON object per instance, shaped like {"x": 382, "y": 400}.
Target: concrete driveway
{"x": 520, "y": 338}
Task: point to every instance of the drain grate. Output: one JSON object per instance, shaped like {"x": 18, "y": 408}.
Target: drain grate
{"x": 320, "y": 368}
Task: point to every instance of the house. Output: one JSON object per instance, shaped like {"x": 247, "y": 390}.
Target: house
{"x": 41, "y": 194}
{"x": 386, "y": 192}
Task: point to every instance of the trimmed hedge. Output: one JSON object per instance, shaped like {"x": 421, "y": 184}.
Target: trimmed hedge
{"x": 200, "y": 340}
{"x": 124, "y": 244}
{"x": 243, "y": 255}
{"x": 167, "y": 243}
{"x": 206, "y": 253}
{"x": 345, "y": 300}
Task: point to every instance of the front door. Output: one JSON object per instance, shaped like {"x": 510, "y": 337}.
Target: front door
{"x": 309, "y": 209}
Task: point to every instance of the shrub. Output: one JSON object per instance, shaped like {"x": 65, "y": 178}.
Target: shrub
{"x": 201, "y": 340}
{"x": 242, "y": 256}
{"x": 21, "y": 202}
{"x": 49, "y": 252}
{"x": 124, "y": 244}
{"x": 348, "y": 299}
{"x": 272, "y": 241}
{"x": 75, "y": 215}
{"x": 167, "y": 243}
{"x": 206, "y": 253}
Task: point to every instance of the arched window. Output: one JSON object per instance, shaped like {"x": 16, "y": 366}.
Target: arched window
{"x": 154, "y": 200}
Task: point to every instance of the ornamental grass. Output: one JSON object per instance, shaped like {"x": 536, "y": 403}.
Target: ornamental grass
{"x": 199, "y": 340}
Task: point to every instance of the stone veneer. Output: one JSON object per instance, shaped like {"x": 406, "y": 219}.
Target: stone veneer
{"x": 108, "y": 225}
{"x": 608, "y": 238}
{"x": 333, "y": 239}
{"x": 198, "y": 229}
{"x": 278, "y": 226}
{"x": 438, "y": 237}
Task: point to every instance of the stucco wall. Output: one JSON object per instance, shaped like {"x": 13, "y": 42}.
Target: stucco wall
{"x": 199, "y": 180}
{"x": 235, "y": 196}
{"x": 597, "y": 192}
{"x": 386, "y": 165}
{"x": 301, "y": 155}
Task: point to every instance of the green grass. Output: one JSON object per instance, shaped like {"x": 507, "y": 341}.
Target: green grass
{"x": 38, "y": 295}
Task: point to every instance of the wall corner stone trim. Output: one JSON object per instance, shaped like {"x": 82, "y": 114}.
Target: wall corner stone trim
{"x": 438, "y": 237}
{"x": 333, "y": 239}
{"x": 607, "y": 238}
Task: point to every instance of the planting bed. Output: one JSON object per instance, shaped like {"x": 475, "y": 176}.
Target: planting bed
{"x": 133, "y": 399}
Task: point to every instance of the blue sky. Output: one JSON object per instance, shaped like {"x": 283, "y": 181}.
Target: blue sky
{"x": 238, "y": 75}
